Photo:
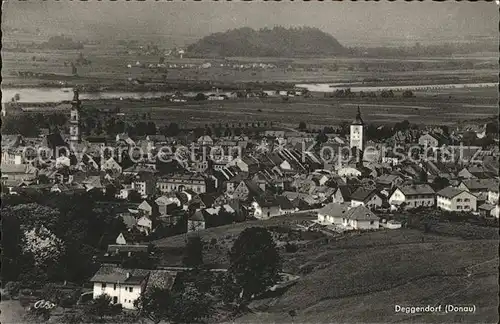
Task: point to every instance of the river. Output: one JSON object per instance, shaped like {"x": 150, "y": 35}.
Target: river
{"x": 32, "y": 95}
{"x": 327, "y": 87}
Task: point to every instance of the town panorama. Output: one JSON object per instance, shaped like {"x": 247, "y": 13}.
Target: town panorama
{"x": 249, "y": 162}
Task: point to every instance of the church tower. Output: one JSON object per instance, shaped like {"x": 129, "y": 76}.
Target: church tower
{"x": 356, "y": 135}
{"x": 74, "y": 128}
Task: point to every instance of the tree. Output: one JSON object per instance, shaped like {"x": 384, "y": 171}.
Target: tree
{"x": 302, "y": 126}
{"x": 200, "y": 97}
{"x": 110, "y": 193}
{"x": 255, "y": 261}
{"x": 100, "y": 306}
{"x": 134, "y": 196}
{"x": 321, "y": 138}
{"x": 11, "y": 246}
{"x": 194, "y": 252}
{"x": 492, "y": 128}
{"x": 440, "y": 183}
{"x": 186, "y": 306}
{"x": 173, "y": 129}
{"x": 191, "y": 306}
{"x": 150, "y": 128}
{"x": 45, "y": 247}
{"x": 155, "y": 304}
{"x": 422, "y": 176}
{"x": 445, "y": 129}
{"x": 408, "y": 94}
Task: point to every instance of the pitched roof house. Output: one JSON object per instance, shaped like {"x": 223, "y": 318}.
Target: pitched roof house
{"x": 366, "y": 197}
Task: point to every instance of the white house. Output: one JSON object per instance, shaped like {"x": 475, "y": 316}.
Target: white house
{"x": 146, "y": 208}
{"x": 111, "y": 165}
{"x": 413, "y": 196}
{"x": 489, "y": 210}
{"x": 349, "y": 218}
{"x": 348, "y": 172}
{"x": 266, "y": 208}
{"x": 124, "y": 191}
{"x": 124, "y": 286}
{"x": 454, "y": 199}
{"x": 164, "y": 201}
{"x": 493, "y": 195}
{"x": 205, "y": 140}
{"x": 145, "y": 224}
{"x": 360, "y": 218}
{"x": 332, "y": 213}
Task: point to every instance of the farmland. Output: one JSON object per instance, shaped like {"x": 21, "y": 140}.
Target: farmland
{"x": 113, "y": 66}
{"x": 109, "y": 65}
{"x": 318, "y": 111}
{"x": 380, "y": 269}
{"x": 109, "y": 69}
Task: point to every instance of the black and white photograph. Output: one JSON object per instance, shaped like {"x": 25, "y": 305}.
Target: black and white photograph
{"x": 249, "y": 162}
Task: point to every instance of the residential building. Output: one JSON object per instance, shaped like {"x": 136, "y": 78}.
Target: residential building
{"x": 348, "y": 218}
{"x": 349, "y": 172}
{"x": 111, "y": 165}
{"x": 388, "y": 181}
{"x": 180, "y": 182}
{"x": 493, "y": 195}
{"x": 412, "y": 196}
{"x": 433, "y": 140}
{"x": 456, "y": 199}
{"x": 124, "y": 286}
{"x": 267, "y": 207}
{"x": 205, "y": 141}
{"x": 164, "y": 201}
{"x": 366, "y": 197}
{"x": 479, "y": 186}
{"x": 144, "y": 184}
{"x": 333, "y": 213}
{"x": 489, "y": 210}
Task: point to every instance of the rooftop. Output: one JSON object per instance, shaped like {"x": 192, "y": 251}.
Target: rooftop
{"x": 114, "y": 274}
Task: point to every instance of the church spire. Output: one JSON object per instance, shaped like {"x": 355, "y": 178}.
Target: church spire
{"x": 358, "y": 120}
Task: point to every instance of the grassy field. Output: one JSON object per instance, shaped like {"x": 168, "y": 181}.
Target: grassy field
{"x": 319, "y": 112}
{"x": 109, "y": 64}
{"x": 360, "y": 278}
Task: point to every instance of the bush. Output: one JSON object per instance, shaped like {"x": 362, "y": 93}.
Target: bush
{"x": 68, "y": 300}
{"x": 213, "y": 241}
{"x": 116, "y": 309}
{"x": 12, "y": 288}
{"x": 5, "y": 296}
{"x": 26, "y": 292}
{"x": 291, "y": 248}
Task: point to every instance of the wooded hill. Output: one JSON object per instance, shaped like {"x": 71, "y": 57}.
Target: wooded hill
{"x": 279, "y": 41}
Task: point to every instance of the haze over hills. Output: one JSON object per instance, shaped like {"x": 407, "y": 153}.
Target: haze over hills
{"x": 180, "y": 23}
{"x": 278, "y": 41}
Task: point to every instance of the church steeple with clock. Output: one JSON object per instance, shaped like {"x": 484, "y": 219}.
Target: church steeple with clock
{"x": 74, "y": 128}
{"x": 357, "y": 132}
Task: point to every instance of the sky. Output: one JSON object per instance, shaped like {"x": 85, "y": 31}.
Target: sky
{"x": 352, "y": 23}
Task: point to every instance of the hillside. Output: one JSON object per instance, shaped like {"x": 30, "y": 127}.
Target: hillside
{"x": 276, "y": 42}
{"x": 360, "y": 278}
